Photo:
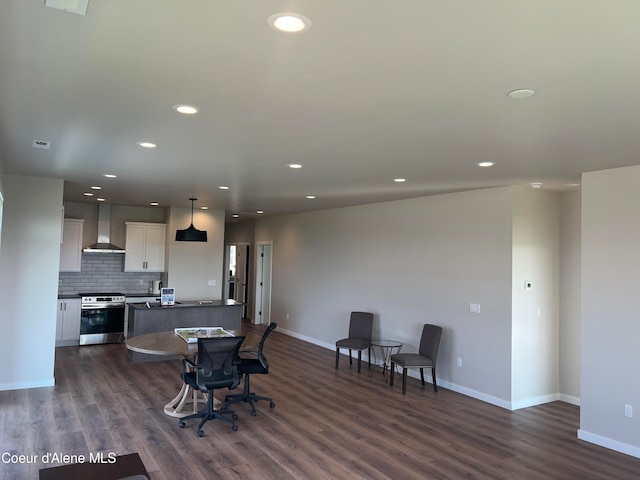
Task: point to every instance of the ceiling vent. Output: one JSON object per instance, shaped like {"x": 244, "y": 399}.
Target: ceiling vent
{"x": 41, "y": 144}
{"x": 71, "y": 6}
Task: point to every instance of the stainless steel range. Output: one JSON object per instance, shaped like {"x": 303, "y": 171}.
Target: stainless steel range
{"x": 101, "y": 318}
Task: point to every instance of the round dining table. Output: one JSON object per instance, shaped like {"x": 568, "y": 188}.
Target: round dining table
{"x": 188, "y": 400}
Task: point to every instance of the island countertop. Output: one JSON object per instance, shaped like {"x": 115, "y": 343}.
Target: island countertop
{"x": 184, "y": 314}
{"x": 186, "y": 304}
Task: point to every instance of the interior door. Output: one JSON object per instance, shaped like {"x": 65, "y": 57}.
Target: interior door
{"x": 237, "y": 273}
{"x": 262, "y": 313}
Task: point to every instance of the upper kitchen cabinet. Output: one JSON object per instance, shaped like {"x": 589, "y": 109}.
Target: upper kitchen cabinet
{"x": 71, "y": 246}
{"x": 145, "y": 247}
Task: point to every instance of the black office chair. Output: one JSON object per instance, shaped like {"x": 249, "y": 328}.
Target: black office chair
{"x": 425, "y": 358}
{"x": 360, "y": 333}
{"x": 257, "y": 364}
{"x": 217, "y": 367}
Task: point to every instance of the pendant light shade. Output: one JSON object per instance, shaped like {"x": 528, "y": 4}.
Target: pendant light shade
{"x": 191, "y": 234}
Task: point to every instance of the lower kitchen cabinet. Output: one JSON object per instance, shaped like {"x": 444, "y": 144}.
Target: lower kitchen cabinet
{"x": 68, "y": 322}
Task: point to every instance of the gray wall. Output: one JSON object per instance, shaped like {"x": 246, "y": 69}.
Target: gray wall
{"x": 409, "y": 262}
{"x": 29, "y": 259}
{"x": 610, "y": 308}
{"x": 534, "y": 319}
{"x": 570, "y": 296}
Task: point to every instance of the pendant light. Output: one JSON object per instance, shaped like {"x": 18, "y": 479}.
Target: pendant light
{"x": 191, "y": 234}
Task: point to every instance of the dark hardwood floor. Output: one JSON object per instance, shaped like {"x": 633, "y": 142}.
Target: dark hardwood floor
{"x": 327, "y": 424}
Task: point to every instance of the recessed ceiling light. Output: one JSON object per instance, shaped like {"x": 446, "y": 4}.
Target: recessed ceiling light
{"x": 486, "y": 164}
{"x": 294, "y": 165}
{"x": 259, "y": 212}
{"x": 536, "y": 185}
{"x": 154, "y": 204}
{"x": 204, "y": 207}
{"x": 289, "y": 22}
{"x": 521, "y": 93}
{"x": 96, "y": 188}
{"x": 571, "y": 184}
{"x": 147, "y": 145}
{"x": 88, "y": 194}
{"x": 100, "y": 199}
{"x": 235, "y": 215}
{"x": 311, "y": 197}
{"x": 223, "y": 187}
{"x": 110, "y": 175}
{"x": 186, "y": 109}
{"x": 399, "y": 180}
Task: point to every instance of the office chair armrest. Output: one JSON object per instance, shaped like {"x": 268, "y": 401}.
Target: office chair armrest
{"x": 185, "y": 362}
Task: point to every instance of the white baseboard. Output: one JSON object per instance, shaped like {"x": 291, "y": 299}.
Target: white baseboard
{"x": 608, "y": 443}
{"x": 23, "y": 385}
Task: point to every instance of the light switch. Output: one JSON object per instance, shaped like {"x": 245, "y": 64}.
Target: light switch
{"x": 474, "y": 307}
{"x": 212, "y": 283}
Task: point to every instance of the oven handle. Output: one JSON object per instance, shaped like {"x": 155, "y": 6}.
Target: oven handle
{"x": 95, "y": 306}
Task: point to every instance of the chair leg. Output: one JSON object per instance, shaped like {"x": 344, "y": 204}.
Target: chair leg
{"x": 393, "y": 368}
{"x": 422, "y": 376}
{"x": 247, "y": 397}
{"x": 404, "y": 380}
{"x": 369, "y": 356}
{"x": 208, "y": 413}
{"x": 359, "y": 359}
{"x": 433, "y": 374}
{"x": 350, "y": 358}
{"x": 337, "y": 357}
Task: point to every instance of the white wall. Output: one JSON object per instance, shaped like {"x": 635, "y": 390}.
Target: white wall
{"x": 535, "y": 328}
{"x": 570, "y": 296}
{"x": 192, "y": 264}
{"x": 611, "y": 308}
{"x": 29, "y": 258}
{"x": 409, "y": 262}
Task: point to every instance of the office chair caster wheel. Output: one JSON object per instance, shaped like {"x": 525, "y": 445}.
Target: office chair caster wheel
{"x": 253, "y": 413}
{"x": 181, "y": 424}
{"x": 272, "y": 404}
{"x": 234, "y": 416}
{"x": 200, "y": 433}
{"x": 234, "y": 428}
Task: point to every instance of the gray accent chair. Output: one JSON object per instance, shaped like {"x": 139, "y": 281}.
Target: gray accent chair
{"x": 360, "y": 334}
{"x": 425, "y": 358}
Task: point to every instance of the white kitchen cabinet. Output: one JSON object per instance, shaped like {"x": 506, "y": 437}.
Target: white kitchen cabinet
{"x": 145, "y": 247}
{"x": 71, "y": 246}
{"x": 68, "y": 322}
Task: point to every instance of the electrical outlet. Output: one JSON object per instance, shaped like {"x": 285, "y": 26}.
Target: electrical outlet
{"x": 459, "y": 361}
{"x": 212, "y": 283}
{"x": 628, "y": 411}
{"x": 140, "y": 282}
{"x": 474, "y": 307}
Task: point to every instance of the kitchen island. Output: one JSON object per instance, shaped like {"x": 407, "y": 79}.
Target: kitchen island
{"x": 153, "y": 317}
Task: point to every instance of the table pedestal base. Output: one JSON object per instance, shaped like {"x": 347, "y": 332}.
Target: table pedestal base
{"x": 188, "y": 401}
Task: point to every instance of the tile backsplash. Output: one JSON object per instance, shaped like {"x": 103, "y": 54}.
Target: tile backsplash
{"x": 104, "y": 272}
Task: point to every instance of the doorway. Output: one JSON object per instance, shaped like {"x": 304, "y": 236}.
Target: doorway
{"x": 262, "y": 313}
{"x": 236, "y": 273}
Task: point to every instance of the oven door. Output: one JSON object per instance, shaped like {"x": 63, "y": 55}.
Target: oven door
{"x": 101, "y": 325}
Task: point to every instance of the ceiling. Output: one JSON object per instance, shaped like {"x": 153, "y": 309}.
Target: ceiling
{"x": 374, "y": 90}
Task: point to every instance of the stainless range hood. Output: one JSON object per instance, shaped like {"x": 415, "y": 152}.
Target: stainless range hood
{"x": 104, "y": 245}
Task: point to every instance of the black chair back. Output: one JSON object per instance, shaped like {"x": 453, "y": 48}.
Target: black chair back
{"x": 217, "y": 362}
{"x": 263, "y": 360}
